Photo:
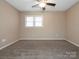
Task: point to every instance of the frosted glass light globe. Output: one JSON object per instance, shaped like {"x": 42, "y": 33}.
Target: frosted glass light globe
{"x": 42, "y": 4}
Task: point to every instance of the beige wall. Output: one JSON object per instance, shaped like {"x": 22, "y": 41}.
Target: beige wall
{"x": 53, "y": 26}
{"x": 73, "y": 24}
{"x": 9, "y": 23}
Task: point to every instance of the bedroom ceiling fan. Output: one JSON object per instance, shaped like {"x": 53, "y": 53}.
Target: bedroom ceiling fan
{"x": 44, "y": 3}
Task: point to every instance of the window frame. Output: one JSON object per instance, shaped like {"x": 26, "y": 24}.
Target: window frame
{"x": 34, "y": 21}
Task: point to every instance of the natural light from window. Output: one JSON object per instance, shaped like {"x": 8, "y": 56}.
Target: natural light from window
{"x": 33, "y": 21}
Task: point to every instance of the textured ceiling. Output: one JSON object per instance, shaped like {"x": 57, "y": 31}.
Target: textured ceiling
{"x": 26, "y": 5}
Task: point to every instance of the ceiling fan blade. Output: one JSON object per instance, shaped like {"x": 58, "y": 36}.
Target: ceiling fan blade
{"x": 43, "y": 8}
{"x": 51, "y": 4}
{"x": 35, "y": 5}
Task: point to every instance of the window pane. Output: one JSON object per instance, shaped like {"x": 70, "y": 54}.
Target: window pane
{"x": 38, "y": 24}
{"x": 30, "y": 19}
{"x": 33, "y": 21}
{"x": 38, "y": 18}
{"x": 29, "y": 24}
{"x": 38, "y": 21}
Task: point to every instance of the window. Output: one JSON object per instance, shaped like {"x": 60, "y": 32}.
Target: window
{"x": 33, "y": 21}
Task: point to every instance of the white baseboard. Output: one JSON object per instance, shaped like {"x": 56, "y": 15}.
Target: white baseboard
{"x": 7, "y": 45}
{"x": 42, "y": 38}
{"x": 73, "y": 43}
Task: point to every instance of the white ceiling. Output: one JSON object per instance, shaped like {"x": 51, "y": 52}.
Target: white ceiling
{"x": 26, "y": 5}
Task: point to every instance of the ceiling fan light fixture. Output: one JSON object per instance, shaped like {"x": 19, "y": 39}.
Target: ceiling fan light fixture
{"x": 53, "y": 1}
{"x": 42, "y": 4}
